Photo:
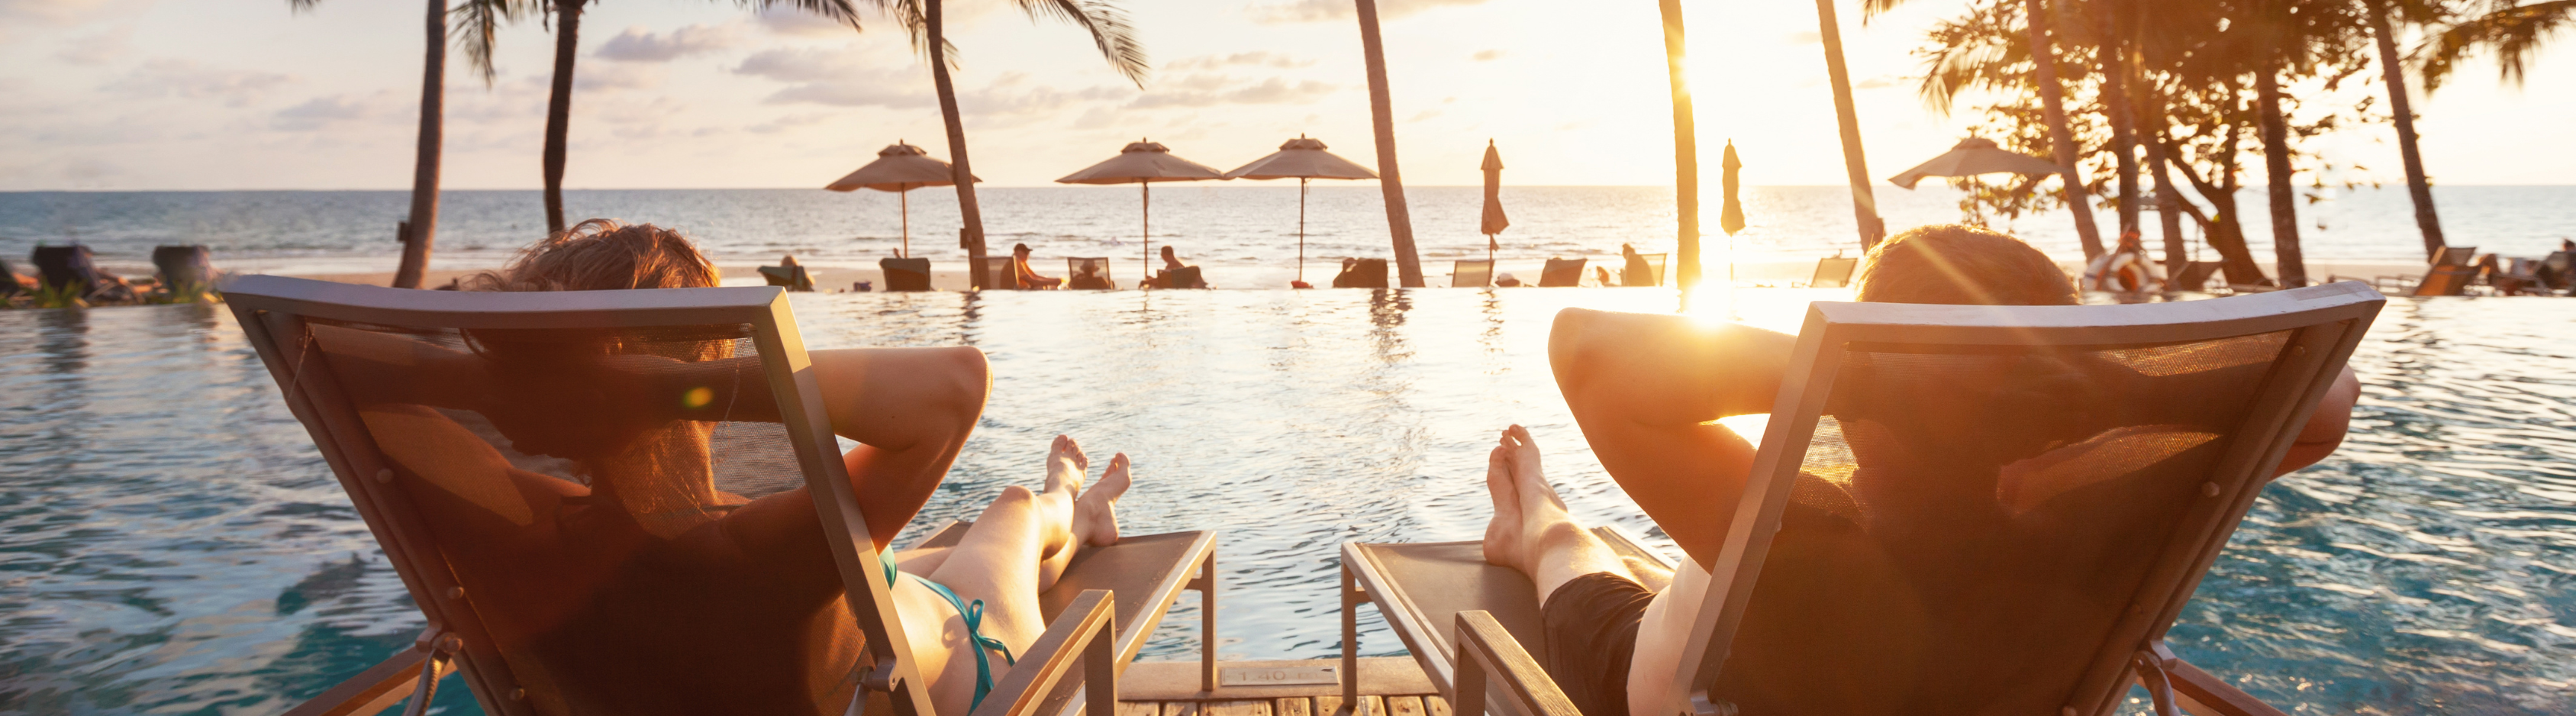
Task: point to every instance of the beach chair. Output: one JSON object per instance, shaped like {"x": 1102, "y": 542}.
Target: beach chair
{"x": 1088, "y": 273}
{"x": 2054, "y": 602}
{"x": 2447, "y": 256}
{"x": 997, "y": 273}
{"x": 72, "y": 270}
{"x": 1561, "y": 273}
{"x": 1833, "y": 272}
{"x": 184, "y": 270}
{"x": 905, "y": 274}
{"x": 1368, "y": 273}
{"x": 1472, "y": 274}
{"x": 1183, "y": 277}
{"x": 1647, "y": 271}
{"x": 792, "y": 278}
{"x": 537, "y": 495}
{"x": 2557, "y": 271}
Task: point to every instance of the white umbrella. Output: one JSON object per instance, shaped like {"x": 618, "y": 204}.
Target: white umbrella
{"x": 1301, "y": 159}
{"x": 900, "y": 168}
{"x": 1143, "y": 163}
{"x": 1973, "y": 156}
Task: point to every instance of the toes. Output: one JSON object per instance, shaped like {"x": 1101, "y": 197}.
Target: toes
{"x": 1114, "y": 480}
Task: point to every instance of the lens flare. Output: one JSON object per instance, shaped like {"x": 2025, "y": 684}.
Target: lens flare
{"x": 698, "y": 397}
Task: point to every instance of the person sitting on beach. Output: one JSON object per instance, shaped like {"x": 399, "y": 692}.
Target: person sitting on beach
{"x": 1635, "y": 271}
{"x": 1086, "y": 277}
{"x": 1029, "y": 278}
{"x": 2124, "y": 270}
{"x": 1601, "y": 277}
{"x": 584, "y": 510}
{"x": 1172, "y": 272}
{"x": 1647, "y": 390}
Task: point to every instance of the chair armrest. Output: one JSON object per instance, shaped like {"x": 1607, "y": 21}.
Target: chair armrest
{"x": 369, "y": 692}
{"x": 1485, "y": 648}
{"x": 2204, "y": 693}
{"x": 1083, "y": 634}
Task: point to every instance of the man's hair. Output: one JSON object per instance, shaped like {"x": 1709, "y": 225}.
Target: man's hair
{"x": 1958, "y": 264}
{"x": 600, "y": 255}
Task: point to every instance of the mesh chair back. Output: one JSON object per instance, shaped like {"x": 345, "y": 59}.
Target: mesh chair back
{"x": 2454, "y": 255}
{"x": 1990, "y": 509}
{"x": 997, "y": 272}
{"x": 184, "y": 267}
{"x": 792, "y": 278}
{"x": 1561, "y": 273}
{"x": 1644, "y": 270}
{"x": 1183, "y": 277}
{"x": 66, "y": 266}
{"x": 1367, "y": 273}
{"x": 564, "y": 482}
{"x": 1088, "y": 273}
{"x": 906, "y": 274}
{"x": 2446, "y": 280}
{"x": 1833, "y": 272}
{"x": 1472, "y": 274}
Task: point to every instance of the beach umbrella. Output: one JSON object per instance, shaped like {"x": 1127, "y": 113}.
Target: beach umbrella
{"x": 900, "y": 168}
{"x": 1973, "y": 156}
{"x": 1142, "y": 163}
{"x": 1302, "y": 159}
{"x": 1730, "y": 218}
{"x": 1495, "y": 221}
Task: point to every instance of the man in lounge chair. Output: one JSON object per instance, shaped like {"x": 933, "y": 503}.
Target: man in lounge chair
{"x": 1029, "y": 278}
{"x": 1646, "y": 390}
{"x": 740, "y": 591}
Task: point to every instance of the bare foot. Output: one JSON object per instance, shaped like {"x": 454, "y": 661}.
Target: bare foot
{"x": 1066, "y": 465}
{"x": 1095, "y": 514}
{"x": 1502, "y": 536}
{"x": 1524, "y": 460}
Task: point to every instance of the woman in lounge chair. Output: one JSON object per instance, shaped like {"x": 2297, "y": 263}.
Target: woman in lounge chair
{"x": 1029, "y": 278}
{"x": 583, "y": 506}
{"x": 1647, "y": 389}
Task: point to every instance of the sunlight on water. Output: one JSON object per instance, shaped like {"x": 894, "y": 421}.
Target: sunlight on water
{"x": 175, "y": 544}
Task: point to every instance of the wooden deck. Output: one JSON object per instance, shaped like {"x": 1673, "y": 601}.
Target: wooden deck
{"x": 1389, "y": 687}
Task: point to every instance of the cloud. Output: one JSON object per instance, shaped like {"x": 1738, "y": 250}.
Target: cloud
{"x": 616, "y": 76}
{"x": 803, "y": 64}
{"x": 186, "y": 80}
{"x": 321, "y": 112}
{"x": 1206, "y": 90}
{"x": 1324, "y": 10}
{"x": 1879, "y": 82}
{"x": 1809, "y": 37}
{"x": 636, "y": 45}
{"x": 97, "y": 49}
{"x": 789, "y": 122}
{"x": 1262, "y": 59}
{"x": 1489, "y": 55}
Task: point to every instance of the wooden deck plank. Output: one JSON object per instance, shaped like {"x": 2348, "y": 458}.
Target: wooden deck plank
{"x": 1140, "y": 708}
{"x": 1237, "y": 707}
{"x": 1181, "y": 708}
{"x": 1436, "y": 705}
{"x": 1332, "y": 706}
{"x": 1293, "y": 706}
{"x": 1404, "y": 706}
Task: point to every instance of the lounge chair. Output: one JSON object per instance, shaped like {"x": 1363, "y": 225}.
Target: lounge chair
{"x": 1561, "y": 273}
{"x": 1833, "y": 272}
{"x": 997, "y": 273}
{"x": 1649, "y": 272}
{"x": 2557, "y": 271}
{"x": 2448, "y": 272}
{"x": 443, "y": 416}
{"x": 71, "y": 270}
{"x": 1472, "y": 274}
{"x": 1366, "y": 273}
{"x": 2109, "y": 536}
{"x": 184, "y": 270}
{"x": 1097, "y": 280}
{"x": 1183, "y": 277}
{"x": 791, "y": 277}
{"x": 906, "y": 274}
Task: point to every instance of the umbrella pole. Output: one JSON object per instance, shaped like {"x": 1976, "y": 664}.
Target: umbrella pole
{"x": 1146, "y": 189}
{"x": 905, "y": 199}
{"x": 1301, "y": 228}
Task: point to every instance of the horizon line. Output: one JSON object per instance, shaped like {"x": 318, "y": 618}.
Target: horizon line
{"x": 1109, "y": 187}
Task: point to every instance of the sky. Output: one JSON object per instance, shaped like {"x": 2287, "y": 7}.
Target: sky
{"x": 250, "y": 94}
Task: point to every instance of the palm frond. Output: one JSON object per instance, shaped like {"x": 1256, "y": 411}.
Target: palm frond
{"x": 302, "y": 5}
{"x": 1109, "y": 30}
{"x": 1871, "y": 9}
{"x": 2514, "y": 33}
{"x": 835, "y": 10}
{"x": 472, "y": 25}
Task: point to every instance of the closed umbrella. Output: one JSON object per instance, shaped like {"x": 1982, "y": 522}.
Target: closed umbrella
{"x": 1143, "y": 163}
{"x": 1731, "y": 217}
{"x": 899, "y": 168}
{"x": 1973, "y": 156}
{"x": 1495, "y": 221}
{"x": 1303, "y": 159}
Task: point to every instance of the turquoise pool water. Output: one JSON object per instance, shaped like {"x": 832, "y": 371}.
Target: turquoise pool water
{"x": 171, "y": 543}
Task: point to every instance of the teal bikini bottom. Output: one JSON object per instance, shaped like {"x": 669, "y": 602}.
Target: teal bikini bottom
{"x": 974, "y": 616}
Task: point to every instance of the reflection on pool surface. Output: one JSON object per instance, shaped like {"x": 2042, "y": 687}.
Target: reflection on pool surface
{"x": 175, "y": 545}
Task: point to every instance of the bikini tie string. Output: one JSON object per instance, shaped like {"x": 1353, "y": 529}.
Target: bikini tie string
{"x": 974, "y": 616}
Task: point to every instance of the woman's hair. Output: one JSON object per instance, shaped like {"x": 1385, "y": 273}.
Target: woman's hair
{"x": 1958, "y": 264}
{"x": 601, "y": 255}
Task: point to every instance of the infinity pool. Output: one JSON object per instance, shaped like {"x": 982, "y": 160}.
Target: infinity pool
{"x": 170, "y": 542}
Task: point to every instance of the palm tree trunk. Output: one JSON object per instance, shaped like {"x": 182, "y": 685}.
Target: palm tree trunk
{"x": 559, "y": 108}
{"x": 423, "y": 226}
{"x": 2168, "y": 196}
{"x": 960, "y": 171}
{"x": 2399, "y": 105}
{"x": 1399, "y": 222}
{"x": 2053, "y": 103}
{"x": 1855, "y": 164}
{"x": 2115, "y": 107}
{"x": 1685, "y": 149}
{"x": 2290, "y": 265}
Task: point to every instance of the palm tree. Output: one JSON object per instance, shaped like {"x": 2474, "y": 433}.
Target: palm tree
{"x": 567, "y": 16}
{"x": 2053, "y": 103}
{"x": 1685, "y": 149}
{"x": 1855, "y": 164}
{"x": 1399, "y": 220}
{"x": 925, "y": 19}
{"x": 2513, "y": 30}
{"x": 2401, "y": 108}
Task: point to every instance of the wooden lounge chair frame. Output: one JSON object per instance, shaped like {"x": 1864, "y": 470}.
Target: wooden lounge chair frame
{"x": 1833, "y": 272}
{"x": 905, "y": 274}
{"x": 1557, "y": 272}
{"x": 1482, "y": 270}
{"x": 273, "y": 311}
{"x": 1481, "y": 659}
{"x": 2448, "y": 257}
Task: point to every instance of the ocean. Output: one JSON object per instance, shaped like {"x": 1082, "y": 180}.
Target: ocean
{"x": 1232, "y": 224}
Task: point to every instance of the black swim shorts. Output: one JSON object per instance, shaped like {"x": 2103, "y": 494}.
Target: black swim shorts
{"x": 1591, "y": 633}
